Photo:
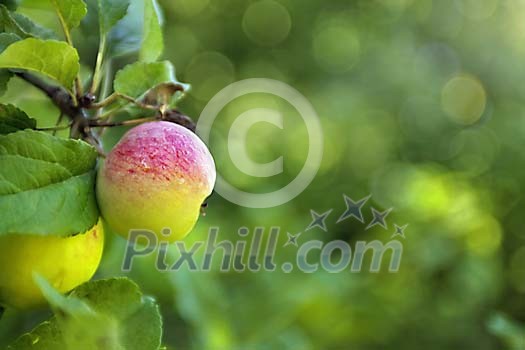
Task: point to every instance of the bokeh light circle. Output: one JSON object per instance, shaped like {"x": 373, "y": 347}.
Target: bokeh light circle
{"x": 336, "y": 46}
{"x": 190, "y": 8}
{"x": 209, "y": 72}
{"x": 315, "y": 140}
{"x": 463, "y": 98}
{"x": 477, "y": 9}
{"x": 267, "y": 22}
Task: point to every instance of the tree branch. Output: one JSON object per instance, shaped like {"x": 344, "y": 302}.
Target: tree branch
{"x": 60, "y": 97}
{"x": 63, "y": 100}
{"x": 81, "y": 125}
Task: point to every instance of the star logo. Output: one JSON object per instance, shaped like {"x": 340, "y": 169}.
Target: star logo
{"x": 318, "y": 220}
{"x": 292, "y": 239}
{"x": 353, "y": 208}
{"x": 400, "y": 231}
{"x": 379, "y": 218}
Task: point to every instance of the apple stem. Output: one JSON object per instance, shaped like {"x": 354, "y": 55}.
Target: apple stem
{"x": 116, "y": 96}
{"x": 101, "y": 124}
{"x": 55, "y": 128}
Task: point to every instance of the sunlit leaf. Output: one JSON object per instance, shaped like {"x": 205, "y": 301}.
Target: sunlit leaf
{"x": 152, "y": 42}
{"x": 46, "y": 184}
{"x": 155, "y": 82}
{"x": 70, "y": 12}
{"x": 108, "y": 314}
{"x": 54, "y": 59}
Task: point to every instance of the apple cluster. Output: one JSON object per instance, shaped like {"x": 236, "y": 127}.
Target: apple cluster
{"x": 156, "y": 178}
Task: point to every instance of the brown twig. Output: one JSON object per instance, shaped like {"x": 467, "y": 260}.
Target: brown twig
{"x": 63, "y": 100}
{"x": 59, "y": 96}
{"x": 54, "y": 128}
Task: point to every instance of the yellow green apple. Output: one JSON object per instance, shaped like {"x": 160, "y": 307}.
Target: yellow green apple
{"x": 155, "y": 178}
{"x": 65, "y": 262}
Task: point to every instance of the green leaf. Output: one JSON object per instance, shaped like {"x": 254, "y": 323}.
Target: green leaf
{"x": 152, "y": 42}
{"x": 140, "y": 324}
{"x": 31, "y": 28}
{"x": 13, "y": 119}
{"x": 60, "y": 209}
{"x": 70, "y": 12}
{"x": 21, "y": 26}
{"x": 45, "y": 336}
{"x": 46, "y": 184}
{"x": 91, "y": 332}
{"x": 101, "y": 295}
{"x": 120, "y": 317}
{"x": 54, "y": 59}
{"x": 154, "y": 81}
{"x": 56, "y": 159}
{"x": 126, "y": 36}
{"x": 5, "y": 76}
{"x": 75, "y": 326}
{"x": 58, "y": 301}
{"x": 109, "y": 13}
{"x": 7, "y": 39}
{"x": 137, "y": 337}
{"x": 9, "y": 25}
{"x": 81, "y": 332}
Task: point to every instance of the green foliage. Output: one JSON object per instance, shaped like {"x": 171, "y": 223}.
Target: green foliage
{"x": 70, "y": 306}
{"x": 112, "y": 314}
{"x": 13, "y": 119}
{"x": 22, "y": 27}
{"x": 70, "y": 12}
{"x": 109, "y": 13}
{"x": 31, "y": 29}
{"x": 46, "y": 184}
{"x": 55, "y": 59}
{"x": 10, "y": 25}
{"x": 45, "y": 336}
{"x": 7, "y": 39}
{"x": 125, "y": 37}
{"x": 155, "y": 80}
{"x": 152, "y": 43}
{"x": 140, "y": 323}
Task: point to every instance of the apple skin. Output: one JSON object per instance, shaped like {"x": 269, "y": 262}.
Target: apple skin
{"x": 65, "y": 262}
{"x": 156, "y": 177}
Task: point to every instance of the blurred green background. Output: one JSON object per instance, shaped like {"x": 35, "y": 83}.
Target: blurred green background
{"x": 421, "y": 105}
